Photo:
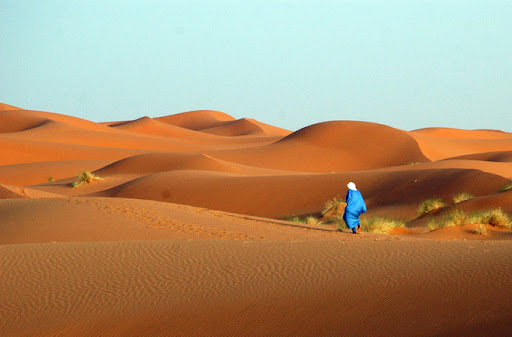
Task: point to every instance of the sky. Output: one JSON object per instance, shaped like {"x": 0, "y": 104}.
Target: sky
{"x": 289, "y": 63}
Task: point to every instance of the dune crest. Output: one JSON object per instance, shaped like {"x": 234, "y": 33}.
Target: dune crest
{"x": 197, "y": 119}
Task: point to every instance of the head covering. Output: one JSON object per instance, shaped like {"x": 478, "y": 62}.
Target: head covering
{"x": 352, "y": 186}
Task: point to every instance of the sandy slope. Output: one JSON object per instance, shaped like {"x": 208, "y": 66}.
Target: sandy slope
{"x": 181, "y": 237}
{"x": 259, "y": 288}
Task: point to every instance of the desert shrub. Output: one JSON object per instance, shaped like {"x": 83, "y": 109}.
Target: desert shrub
{"x": 85, "y": 177}
{"x": 430, "y": 205}
{"x": 463, "y": 196}
{"x": 414, "y": 163}
{"x": 495, "y": 217}
{"x": 50, "y": 179}
{"x": 380, "y": 225}
{"x": 480, "y": 230}
{"x": 505, "y": 188}
{"x": 335, "y": 205}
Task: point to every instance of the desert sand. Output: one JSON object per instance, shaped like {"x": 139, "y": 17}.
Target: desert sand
{"x": 188, "y": 234}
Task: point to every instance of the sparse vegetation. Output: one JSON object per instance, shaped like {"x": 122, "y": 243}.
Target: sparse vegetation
{"x": 481, "y": 230}
{"x": 50, "y": 179}
{"x": 495, "y": 217}
{"x": 380, "y": 225}
{"x": 309, "y": 220}
{"x": 414, "y": 163}
{"x": 336, "y": 205}
{"x": 85, "y": 177}
{"x": 505, "y": 188}
{"x": 457, "y": 217}
{"x": 430, "y": 205}
{"x": 463, "y": 196}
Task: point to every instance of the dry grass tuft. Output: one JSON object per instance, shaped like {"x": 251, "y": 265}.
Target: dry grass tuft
{"x": 309, "y": 220}
{"x": 336, "y": 205}
{"x": 380, "y": 225}
{"x": 463, "y": 196}
{"x": 505, "y": 188}
{"x": 430, "y": 205}
{"x": 494, "y": 217}
{"x": 85, "y": 177}
{"x": 481, "y": 230}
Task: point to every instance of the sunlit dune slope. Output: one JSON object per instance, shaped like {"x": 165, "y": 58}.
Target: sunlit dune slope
{"x": 4, "y": 107}
{"x": 442, "y": 143}
{"x": 8, "y": 193}
{"x": 338, "y": 146}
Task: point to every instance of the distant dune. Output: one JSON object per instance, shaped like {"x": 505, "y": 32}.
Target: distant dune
{"x": 187, "y": 231}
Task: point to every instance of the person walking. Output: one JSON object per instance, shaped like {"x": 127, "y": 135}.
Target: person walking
{"x": 355, "y": 206}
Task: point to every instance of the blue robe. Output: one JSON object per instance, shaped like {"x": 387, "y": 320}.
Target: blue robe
{"x": 355, "y": 206}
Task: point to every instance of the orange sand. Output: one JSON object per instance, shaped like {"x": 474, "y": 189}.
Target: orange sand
{"x": 184, "y": 235}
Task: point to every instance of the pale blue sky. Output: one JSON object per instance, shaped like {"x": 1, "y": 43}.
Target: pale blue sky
{"x": 408, "y": 64}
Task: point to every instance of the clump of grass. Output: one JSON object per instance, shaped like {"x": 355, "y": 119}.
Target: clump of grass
{"x": 505, "y": 188}
{"x": 481, "y": 230}
{"x": 336, "y": 205}
{"x": 294, "y": 219}
{"x": 434, "y": 224}
{"x": 495, "y": 217}
{"x": 380, "y": 225}
{"x": 463, "y": 196}
{"x": 414, "y": 163}
{"x": 85, "y": 177}
{"x": 456, "y": 218}
{"x": 309, "y": 220}
{"x": 430, "y": 205}
{"x": 50, "y": 179}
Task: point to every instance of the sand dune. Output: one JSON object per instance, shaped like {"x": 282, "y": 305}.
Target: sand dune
{"x": 197, "y": 120}
{"x": 333, "y": 147}
{"x": 439, "y": 143}
{"x": 9, "y": 192}
{"x": 4, "y": 107}
{"x": 286, "y": 195}
{"x": 41, "y": 172}
{"x": 184, "y": 235}
{"x": 243, "y": 127}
